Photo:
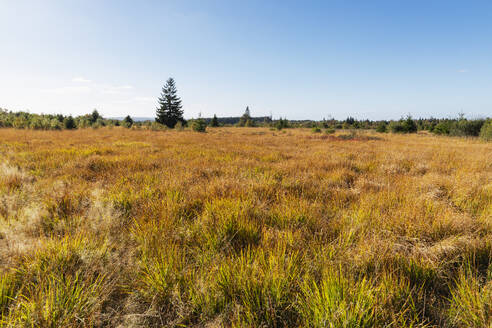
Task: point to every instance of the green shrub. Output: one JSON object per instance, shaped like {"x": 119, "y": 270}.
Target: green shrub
{"x": 442, "y": 128}
{"x": 69, "y": 123}
{"x": 486, "y": 131}
{"x": 282, "y": 123}
{"x": 156, "y": 126}
{"x": 407, "y": 125}
{"x": 250, "y": 123}
{"x": 128, "y": 122}
{"x": 330, "y": 131}
{"x": 215, "y": 121}
{"x": 316, "y": 130}
{"x": 466, "y": 128}
{"x": 179, "y": 126}
{"x": 382, "y": 127}
{"x": 460, "y": 128}
{"x": 199, "y": 125}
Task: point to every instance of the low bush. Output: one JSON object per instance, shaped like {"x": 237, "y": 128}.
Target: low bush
{"x": 382, "y": 127}
{"x": 464, "y": 128}
{"x": 459, "y": 128}
{"x": 407, "y": 125}
{"x": 442, "y": 128}
{"x": 486, "y": 131}
{"x": 199, "y": 125}
{"x": 179, "y": 126}
{"x": 69, "y": 123}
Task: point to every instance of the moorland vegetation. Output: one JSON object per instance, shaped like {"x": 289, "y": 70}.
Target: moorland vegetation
{"x": 243, "y": 227}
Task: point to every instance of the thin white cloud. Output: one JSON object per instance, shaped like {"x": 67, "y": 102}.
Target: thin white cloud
{"x": 463, "y": 70}
{"x": 80, "y": 79}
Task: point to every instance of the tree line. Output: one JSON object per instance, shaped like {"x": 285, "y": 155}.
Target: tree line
{"x": 453, "y": 127}
{"x": 169, "y": 115}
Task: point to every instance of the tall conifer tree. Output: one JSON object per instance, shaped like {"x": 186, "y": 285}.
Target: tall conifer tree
{"x": 170, "y": 110}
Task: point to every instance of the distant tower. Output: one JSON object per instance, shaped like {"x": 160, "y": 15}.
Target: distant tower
{"x": 246, "y": 112}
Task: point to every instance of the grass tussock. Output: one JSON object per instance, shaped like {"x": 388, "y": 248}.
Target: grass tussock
{"x": 471, "y": 299}
{"x": 241, "y": 228}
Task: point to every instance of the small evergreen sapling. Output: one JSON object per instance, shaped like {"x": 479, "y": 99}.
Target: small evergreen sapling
{"x": 215, "y": 122}
{"x": 199, "y": 125}
{"x": 69, "y": 123}
{"x": 128, "y": 122}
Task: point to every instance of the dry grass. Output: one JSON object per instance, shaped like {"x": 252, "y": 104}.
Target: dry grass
{"x": 244, "y": 228}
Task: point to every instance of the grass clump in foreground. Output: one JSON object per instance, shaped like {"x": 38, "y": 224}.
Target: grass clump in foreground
{"x": 242, "y": 228}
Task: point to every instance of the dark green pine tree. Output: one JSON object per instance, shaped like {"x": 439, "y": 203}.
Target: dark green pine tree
{"x": 128, "y": 121}
{"x": 215, "y": 121}
{"x": 69, "y": 123}
{"x": 169, "y": 111}
{"x": 245, "y": 118}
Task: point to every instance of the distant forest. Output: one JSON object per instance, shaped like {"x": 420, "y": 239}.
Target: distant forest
{"x": 459, "y": 126}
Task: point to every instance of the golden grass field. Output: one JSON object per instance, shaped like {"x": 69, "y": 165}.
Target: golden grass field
{"x": 244, "y": 227}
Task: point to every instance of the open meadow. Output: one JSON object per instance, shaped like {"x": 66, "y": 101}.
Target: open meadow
{"x": 244, "y": 227}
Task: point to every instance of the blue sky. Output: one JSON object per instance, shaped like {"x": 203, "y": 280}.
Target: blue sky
{"x": 295, "y": 59}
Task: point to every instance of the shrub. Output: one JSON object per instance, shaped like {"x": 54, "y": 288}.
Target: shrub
{"x": 199, "y": 125}
{"x": 330, "y": 131}
{"x": 69, "y": 123}
{"x": 461, "y": 127}
{"x": 466, "y": 128}
{"x": 407, "y": 125}
{"x": 316, "y": 130}
{"x": 396, "y": 127}
{"x": 382, "y": 127}
{"x": 156, "y": 126}
{"x": 249, "y": 123}
{"x": 442, "y": 128}
{"x": 282, "y": 123}
{"x": 179, "y": 126}
{"x": 94, "y": 116}
{"x": 128, "y": 122}
{"x": 55, "y": 124}
{"x": 486, "y": 131}
{"x": 215, "y": 122}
